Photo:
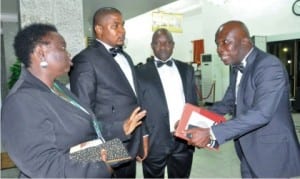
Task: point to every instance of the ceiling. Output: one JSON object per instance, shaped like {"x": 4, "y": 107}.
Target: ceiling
{"x": 129, "y": 8}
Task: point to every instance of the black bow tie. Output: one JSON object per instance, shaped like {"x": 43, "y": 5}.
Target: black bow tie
{"x": 161, "y": 63}
{"x": 239, "y": 67}
{"x": 114, "y": 51}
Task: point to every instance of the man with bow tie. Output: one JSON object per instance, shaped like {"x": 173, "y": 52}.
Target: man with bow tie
{"x": 103, "y": 78}
{"x": 258, "y": 98}
{"x": 166, "y": 85}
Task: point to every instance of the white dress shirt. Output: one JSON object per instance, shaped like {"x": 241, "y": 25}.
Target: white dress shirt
{"x": 239, "y": 74}
{"x": 173, "y": 90}
{"x": 124, "y": 65}
{"x": 237, "y": 84}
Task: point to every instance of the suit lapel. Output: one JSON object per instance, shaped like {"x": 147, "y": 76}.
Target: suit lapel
{"x": 129, "y": 60}
{"x": 182, "y": 72}
{"x": 233, "y": 76}
{"x": 250, "y": 61}
{"x": 153, "y": 72}
{"x": 116, "y": 69}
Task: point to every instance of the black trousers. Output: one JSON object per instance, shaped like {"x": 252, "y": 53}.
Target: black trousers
{"x": 178, "y": 160}
{"x": 126, "y": 170}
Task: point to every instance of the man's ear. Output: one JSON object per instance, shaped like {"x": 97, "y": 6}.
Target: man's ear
{"x": 246, "y": 41}
{"x": 98, "y": 29}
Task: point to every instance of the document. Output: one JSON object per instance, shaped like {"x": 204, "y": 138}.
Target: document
{"x": 90, "y": 151}
{"x": 195, "y": 116}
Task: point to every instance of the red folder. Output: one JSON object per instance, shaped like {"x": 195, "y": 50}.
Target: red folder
{"x": 195, "y": 116}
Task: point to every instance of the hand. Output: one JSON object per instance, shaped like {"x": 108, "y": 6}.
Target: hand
{"x": 176, "y": 125}
{"x": 103, "y": 155}
{"x": 199, "y": 137}
{"x": 134, "y": 120}
{"x": 146, "y": 149}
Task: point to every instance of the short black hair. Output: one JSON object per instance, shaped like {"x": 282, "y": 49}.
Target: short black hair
{"x": 28, "y": 38}
{"x": 102, "y": 12}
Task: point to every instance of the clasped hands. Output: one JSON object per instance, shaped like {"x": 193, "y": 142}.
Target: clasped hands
{"x": 198, "y": 137}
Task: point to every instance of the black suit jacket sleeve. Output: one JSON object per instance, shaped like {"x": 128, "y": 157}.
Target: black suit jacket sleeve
{"x": 83, "y": 81}
{"x": 38, "y": 129}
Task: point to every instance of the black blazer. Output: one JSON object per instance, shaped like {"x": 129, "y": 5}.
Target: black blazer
{"x": 99, "y": 82}
{"x": 263, "y": 124}
{"x": 154, "y": 101}
{"x": 38, "y": 128}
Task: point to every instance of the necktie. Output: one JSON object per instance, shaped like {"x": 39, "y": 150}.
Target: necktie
{"x": 114, "y": 51}
{"x": 239, "y": 67}
{"x": 161, "y": 63}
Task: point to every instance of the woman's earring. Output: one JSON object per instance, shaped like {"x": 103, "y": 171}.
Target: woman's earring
{"x": 43, "y": 63}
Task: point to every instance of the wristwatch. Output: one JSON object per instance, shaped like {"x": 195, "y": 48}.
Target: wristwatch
{"x": 296, "y": 8}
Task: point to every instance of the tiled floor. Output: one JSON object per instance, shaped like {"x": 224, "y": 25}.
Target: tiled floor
{"x": 211, "y": 164}
{"x": 221, "y": 164}
{"x": 206, "y": 164}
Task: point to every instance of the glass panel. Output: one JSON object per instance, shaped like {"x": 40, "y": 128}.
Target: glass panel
{"x": 284, "y": 50}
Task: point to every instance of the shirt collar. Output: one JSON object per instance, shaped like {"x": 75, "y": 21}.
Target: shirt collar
{"x": 157, "y": 59}
{"x": 244, "y": 61}
{"x": 105, "y": 45}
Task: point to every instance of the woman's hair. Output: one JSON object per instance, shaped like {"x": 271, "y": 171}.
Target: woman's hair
{"x": 28, "y": 38}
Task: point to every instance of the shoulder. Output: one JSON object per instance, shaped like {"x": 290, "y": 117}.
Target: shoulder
{"x": 184, "y": 65}
{"x": 85, "y": 60}
{"x": 24, "y": 98}
{"x": 88, "y": 53}
{"x": 266, "y": 65}
{"x": 146, "y": 71}
{"x": 25, "y": 85}
{"x": 144, "y": 66}
{"x": 266, "y": 60}
{"x": 84, "y": 54}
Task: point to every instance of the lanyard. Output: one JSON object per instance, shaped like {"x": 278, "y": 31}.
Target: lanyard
{"x": 61, "y": 94}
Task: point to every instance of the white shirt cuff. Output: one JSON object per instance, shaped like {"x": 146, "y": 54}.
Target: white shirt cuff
{"x": 212, "y": 135}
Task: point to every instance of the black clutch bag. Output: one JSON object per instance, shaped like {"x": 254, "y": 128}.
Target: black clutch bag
{"x": 90, "y": 151}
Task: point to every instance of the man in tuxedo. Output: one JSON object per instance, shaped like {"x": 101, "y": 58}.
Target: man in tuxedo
{"x": 258, "y": 97}
{"x": 103, "y": 78}
{"x": 166, "y": 85}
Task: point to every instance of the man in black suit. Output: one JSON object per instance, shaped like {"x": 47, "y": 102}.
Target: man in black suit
{"x": 166, "y": 85}
{"x": 258, "y": 96}
{"x": 103, "y": 78}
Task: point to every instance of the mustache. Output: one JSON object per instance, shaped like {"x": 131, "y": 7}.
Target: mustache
{"x": 122, "y": 38}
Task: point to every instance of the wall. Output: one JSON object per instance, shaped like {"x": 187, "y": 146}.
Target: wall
{"x": 263, "y": 18}
{"x": 68, "y": 18}
{"x": 9, "y": 30}
{"x": 66, "y": 15}
{"x": 139, "y": 36}
{"x": 271, "y": 18}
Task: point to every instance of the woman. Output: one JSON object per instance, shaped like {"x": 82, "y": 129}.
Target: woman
{"x": 41, "y": 119}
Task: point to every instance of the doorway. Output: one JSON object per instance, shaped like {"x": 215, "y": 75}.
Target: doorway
{"x": 288, "y": 51}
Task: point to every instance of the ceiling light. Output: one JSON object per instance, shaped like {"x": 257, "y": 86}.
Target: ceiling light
{"x": 285, "y": 49}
